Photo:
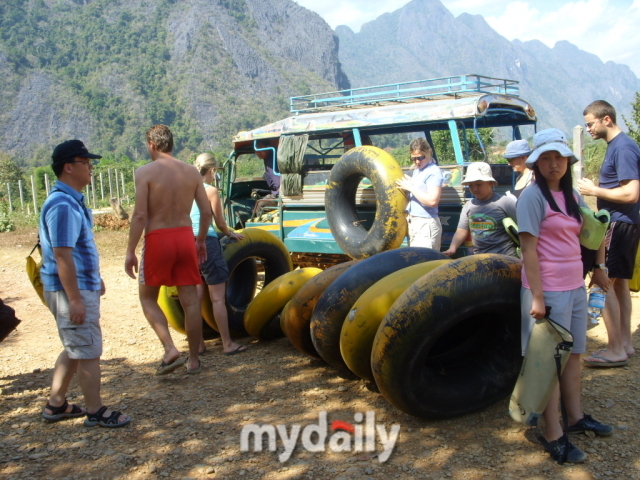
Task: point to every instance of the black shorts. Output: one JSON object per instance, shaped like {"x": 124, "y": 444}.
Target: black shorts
{"x": 214, "y": 270}
{"x": 622, "y": 243}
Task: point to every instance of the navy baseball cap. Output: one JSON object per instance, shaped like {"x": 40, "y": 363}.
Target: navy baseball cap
{"x": 71, "y": 149}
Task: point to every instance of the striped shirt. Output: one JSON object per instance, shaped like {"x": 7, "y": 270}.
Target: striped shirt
{"x": 65, "y": 221}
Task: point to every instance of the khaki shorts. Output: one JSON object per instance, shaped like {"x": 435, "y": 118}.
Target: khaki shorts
{"x": 82, "y": 342}
{"x": 425, "y": 232}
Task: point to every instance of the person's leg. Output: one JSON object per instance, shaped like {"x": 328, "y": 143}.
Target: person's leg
{"x": 570, "y": 388}
{"x": 612, "y": 320}
{"x": 89, "y": 378}
{"x": 623, "y": 295}
{"x": 63, "y": 372}
{"x": 217, "y": 294}
{"x": 158, "y": 321}
{"x": 200, "y": 290}
{"x": 192, "y": 322}
{"x": 552, "y": 427}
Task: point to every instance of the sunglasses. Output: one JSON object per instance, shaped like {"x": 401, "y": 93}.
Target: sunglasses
{"x": 419, "y": 159}
{"x": 591, "y": 124}
{"x": 86, "y": 161}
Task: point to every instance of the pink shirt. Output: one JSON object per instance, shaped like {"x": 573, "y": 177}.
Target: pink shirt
{"x": 558, "y": 250}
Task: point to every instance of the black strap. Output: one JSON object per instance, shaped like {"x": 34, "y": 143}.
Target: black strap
{"x": 563, "y": 409}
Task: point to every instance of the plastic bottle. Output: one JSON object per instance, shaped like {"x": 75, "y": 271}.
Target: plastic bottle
{"x": 596, "y": 304}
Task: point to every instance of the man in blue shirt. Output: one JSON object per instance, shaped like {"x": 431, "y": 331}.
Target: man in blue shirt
{"x": 72, "y": 288}
{"x": 619, "y": 193}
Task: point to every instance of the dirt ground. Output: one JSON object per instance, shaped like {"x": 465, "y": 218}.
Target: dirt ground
{"x": 188, "y": 426}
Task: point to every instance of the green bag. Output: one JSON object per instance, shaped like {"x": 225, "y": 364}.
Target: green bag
{"x": 594, "y": 227}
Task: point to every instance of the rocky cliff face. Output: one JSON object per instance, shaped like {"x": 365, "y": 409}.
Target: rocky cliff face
{"x": 424, "y": 40}
{"x": 106, "y": 70}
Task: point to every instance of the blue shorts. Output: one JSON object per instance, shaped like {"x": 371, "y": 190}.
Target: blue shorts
{"x": 568, "y": 308}
{"x": 214, "y": 270}
{"x": 82, "y": 342}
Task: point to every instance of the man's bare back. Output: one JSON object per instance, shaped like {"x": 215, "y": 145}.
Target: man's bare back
{"x": 171, "y": 187}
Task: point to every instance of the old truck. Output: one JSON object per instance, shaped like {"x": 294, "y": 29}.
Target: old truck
{"x": 450, "y": 112}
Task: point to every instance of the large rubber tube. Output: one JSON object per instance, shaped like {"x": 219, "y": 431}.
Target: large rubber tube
{"x": 364, "y": 318}
{"x": 258, "y": 246}
{"x": 450, "y": 344}
{"x": 271, "y": 300}
{"x": 389, "y": 226}
{"x": 170, "y": 305}
{"x": 336, "y": 301}
{"x": 296, "y": 316}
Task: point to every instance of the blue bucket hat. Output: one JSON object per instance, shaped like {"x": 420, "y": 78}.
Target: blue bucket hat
{"x": 517, "y": 148}
{"x": 549, "y": 140}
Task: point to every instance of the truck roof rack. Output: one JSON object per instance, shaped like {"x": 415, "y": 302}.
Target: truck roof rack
{"x": 406, "y": 92}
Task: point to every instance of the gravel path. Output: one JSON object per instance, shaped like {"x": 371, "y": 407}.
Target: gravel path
{"x": 190, "y": 426}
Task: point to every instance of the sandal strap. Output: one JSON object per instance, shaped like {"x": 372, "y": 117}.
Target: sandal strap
{"x": 61, "y": 409}
{"x": 100, "y": 417}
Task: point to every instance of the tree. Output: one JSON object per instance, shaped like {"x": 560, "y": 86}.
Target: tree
{"x": 10, "y": 172}
{"x": 634, "y": 124}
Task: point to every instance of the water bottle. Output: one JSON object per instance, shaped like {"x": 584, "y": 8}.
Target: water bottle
{"x": 596, "y": 304}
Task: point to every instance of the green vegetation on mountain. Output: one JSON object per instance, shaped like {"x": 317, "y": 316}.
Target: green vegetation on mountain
{"x": 106, "y": 70}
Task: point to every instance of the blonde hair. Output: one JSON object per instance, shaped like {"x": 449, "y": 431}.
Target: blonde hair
{"x": 205, "y": 162}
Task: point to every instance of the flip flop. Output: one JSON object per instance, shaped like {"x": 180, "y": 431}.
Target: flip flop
{"x": 604, "y": 350}
{"x": 237, "y": 350}
{"x": 193, "y": 371}
{"x": 606, "y": 363}
{"x": 166, "y": 368}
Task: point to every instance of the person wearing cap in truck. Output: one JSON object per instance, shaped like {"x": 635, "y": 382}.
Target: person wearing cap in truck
{"x": 516, "y": 154}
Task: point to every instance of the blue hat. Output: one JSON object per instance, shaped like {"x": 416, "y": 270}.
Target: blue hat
{"x": 517, "y": 148}
{"x": 549, "y": 140}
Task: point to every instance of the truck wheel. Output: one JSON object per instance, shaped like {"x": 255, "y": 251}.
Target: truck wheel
{"x": 265, "y": 248}
{"x": 334, "y": 304}
{"x": 170, "y": 305}
{"x": 389, "y": 226}
{"x": 362, "y": 322}
{"x": 450, "y": 344}
{"x": 271, "y": 300}
{"x": 296, "y": 317}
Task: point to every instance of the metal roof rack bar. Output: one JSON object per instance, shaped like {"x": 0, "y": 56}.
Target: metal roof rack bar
{"x": 420, "y": 90}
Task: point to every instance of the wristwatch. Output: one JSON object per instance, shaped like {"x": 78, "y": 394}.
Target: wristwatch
{"x": 601, "y": 266}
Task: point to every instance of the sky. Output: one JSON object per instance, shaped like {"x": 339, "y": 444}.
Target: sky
{"x": 607, "y": 28}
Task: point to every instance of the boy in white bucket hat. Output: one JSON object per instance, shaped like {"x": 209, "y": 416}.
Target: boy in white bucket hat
{"x": 552, "y": 278}
{"x": 482, "y": 216}
{"x": 516, "y": 154}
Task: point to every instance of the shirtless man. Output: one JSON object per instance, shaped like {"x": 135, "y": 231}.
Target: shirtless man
{"x": 165, "y": 191}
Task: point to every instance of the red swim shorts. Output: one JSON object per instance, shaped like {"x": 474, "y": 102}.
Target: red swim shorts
{"x": 169, "y": 258}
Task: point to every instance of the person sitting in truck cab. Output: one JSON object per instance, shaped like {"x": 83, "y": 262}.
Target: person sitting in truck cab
{"x": 272, "y": 178}
{"x": 483, "y": 215}
{"x": 425, "y": 188}
{"x": 516, "y": 154}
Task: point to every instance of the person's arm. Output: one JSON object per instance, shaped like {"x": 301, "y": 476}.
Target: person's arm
{"x": 458, "y": 238}
{"x": 137, "y": 224}
{"x": 216, "y": 207}
{"x": 627, "y": 192}
{"x": 69, "y": 280}
{"x": 600, "y": 276}
{"x": 205, "y": 220}
{"x": 529, "y": 244}
{"x": 429, "y": 197}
